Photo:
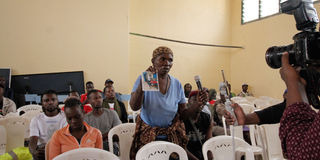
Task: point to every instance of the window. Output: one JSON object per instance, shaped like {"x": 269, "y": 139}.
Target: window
{"x": 257, "y": 9}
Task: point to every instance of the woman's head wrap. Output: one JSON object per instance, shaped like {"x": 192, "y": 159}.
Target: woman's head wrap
{"x": 161, "y": 50}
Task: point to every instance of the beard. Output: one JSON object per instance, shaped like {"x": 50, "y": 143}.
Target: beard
{"x": 97, "y": 106}
{"x": 50, "y": 109}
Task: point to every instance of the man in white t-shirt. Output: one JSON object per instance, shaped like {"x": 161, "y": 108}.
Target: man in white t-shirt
{"x": 45, "y": 124}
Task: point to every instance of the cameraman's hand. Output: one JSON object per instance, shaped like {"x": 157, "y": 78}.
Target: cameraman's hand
{"x": 287, "y": 72}
{"x": 292, "y": 79}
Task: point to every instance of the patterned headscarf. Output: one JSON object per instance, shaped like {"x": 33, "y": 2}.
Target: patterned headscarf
{"x": 161, "y": 50}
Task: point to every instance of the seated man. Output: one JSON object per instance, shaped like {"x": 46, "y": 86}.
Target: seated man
{"x": 77, "y": 134}
{"x": 245, "y": 91}
{"x": 6, "y": 104}
{"x": 198, "y": 127}
{"x": 111, "y": 102}
{"x": 89, "y": 87}
{"x": 109, "y": 83}
{"x": 45, "y": 124}
{"x": 74, "y": 94}
{"x": 101, "y": 118}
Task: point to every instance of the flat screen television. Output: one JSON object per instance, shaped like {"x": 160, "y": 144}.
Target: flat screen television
{"x": 62, "y": 82}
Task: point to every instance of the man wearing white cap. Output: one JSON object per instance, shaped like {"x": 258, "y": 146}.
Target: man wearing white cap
{"x": 244, "y": 92}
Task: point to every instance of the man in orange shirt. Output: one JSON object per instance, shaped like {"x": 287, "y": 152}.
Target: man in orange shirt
{"x": 77, "y": 134}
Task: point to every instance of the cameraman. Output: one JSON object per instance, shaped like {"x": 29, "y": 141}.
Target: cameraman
{"x": 300, "y": 125}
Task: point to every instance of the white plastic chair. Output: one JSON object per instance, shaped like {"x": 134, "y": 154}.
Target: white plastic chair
{"x": 266, "y": 98}
{"x": 250, "y": 98}
{"x": 125, "y": 133}
{"x": 261, "y": 104}
{"x": 257, "y": 150}
{"x": 270, "y": 136}
{"x": 247, "y": 108}
{"x": 3, "y": 139}
{"x": 222, "y": 149}
{"x": 239, "y": 133}
{"x": 16, "y": 129}
{"x": 25, "y": 120}
{"x": 3, "y": 121}
{"x": 160, "y": 150}
{"x": 236, "y": 99}
{"x": 86, "y": 154}
{"x": 27, "y": 108}
{"x": 12, "y": 114}
{"x": 31, "y": 114}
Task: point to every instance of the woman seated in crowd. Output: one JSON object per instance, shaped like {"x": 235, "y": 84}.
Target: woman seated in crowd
{"x": 76, "y": 134}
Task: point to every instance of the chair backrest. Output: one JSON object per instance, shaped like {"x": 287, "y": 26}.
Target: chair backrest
{"x": 3, "y": 139}
{"x": 16, "y": 129}
{"x": 261, "y": 103}
{"x": 31, "y": 114}
{"x": 250, "y": 98}
{"x": 160, "y": 150}
{"x": 252, "y": 132}
{"x": 247, "y": 108}
{"x": 236, "y": 99}
{"x": 31, "y": 107}
{"x": 238, "y": 131}
{"x": 86, "y": 154}
{"x": 125, "y": 133}
{"x": 22, "y": 120}
{"x": 12, "y": 114}
{"x": 266, "y": 98}
{"x": 222, "y": 149}
{"x": 3, "y": 121}
{"x": 272, "y": 140}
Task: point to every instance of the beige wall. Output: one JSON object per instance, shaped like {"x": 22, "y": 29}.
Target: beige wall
{"x": 41, "y": 36}
{"x": 71, "y": 35}
{"x": 249, "y": 65}
{"x": 187, "y": 20}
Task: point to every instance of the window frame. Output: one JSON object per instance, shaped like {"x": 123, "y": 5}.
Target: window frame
{"x": 261, "y": 18}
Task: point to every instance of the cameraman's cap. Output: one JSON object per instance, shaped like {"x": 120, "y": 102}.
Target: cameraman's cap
{"x": 244, "y": 84}
{"x": 108, "y": 81}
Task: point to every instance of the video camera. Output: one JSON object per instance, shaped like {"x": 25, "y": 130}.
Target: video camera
{"x": 305, "y": 51}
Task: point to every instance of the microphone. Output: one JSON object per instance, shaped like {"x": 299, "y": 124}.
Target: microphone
{"x": 197, "y": 79}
